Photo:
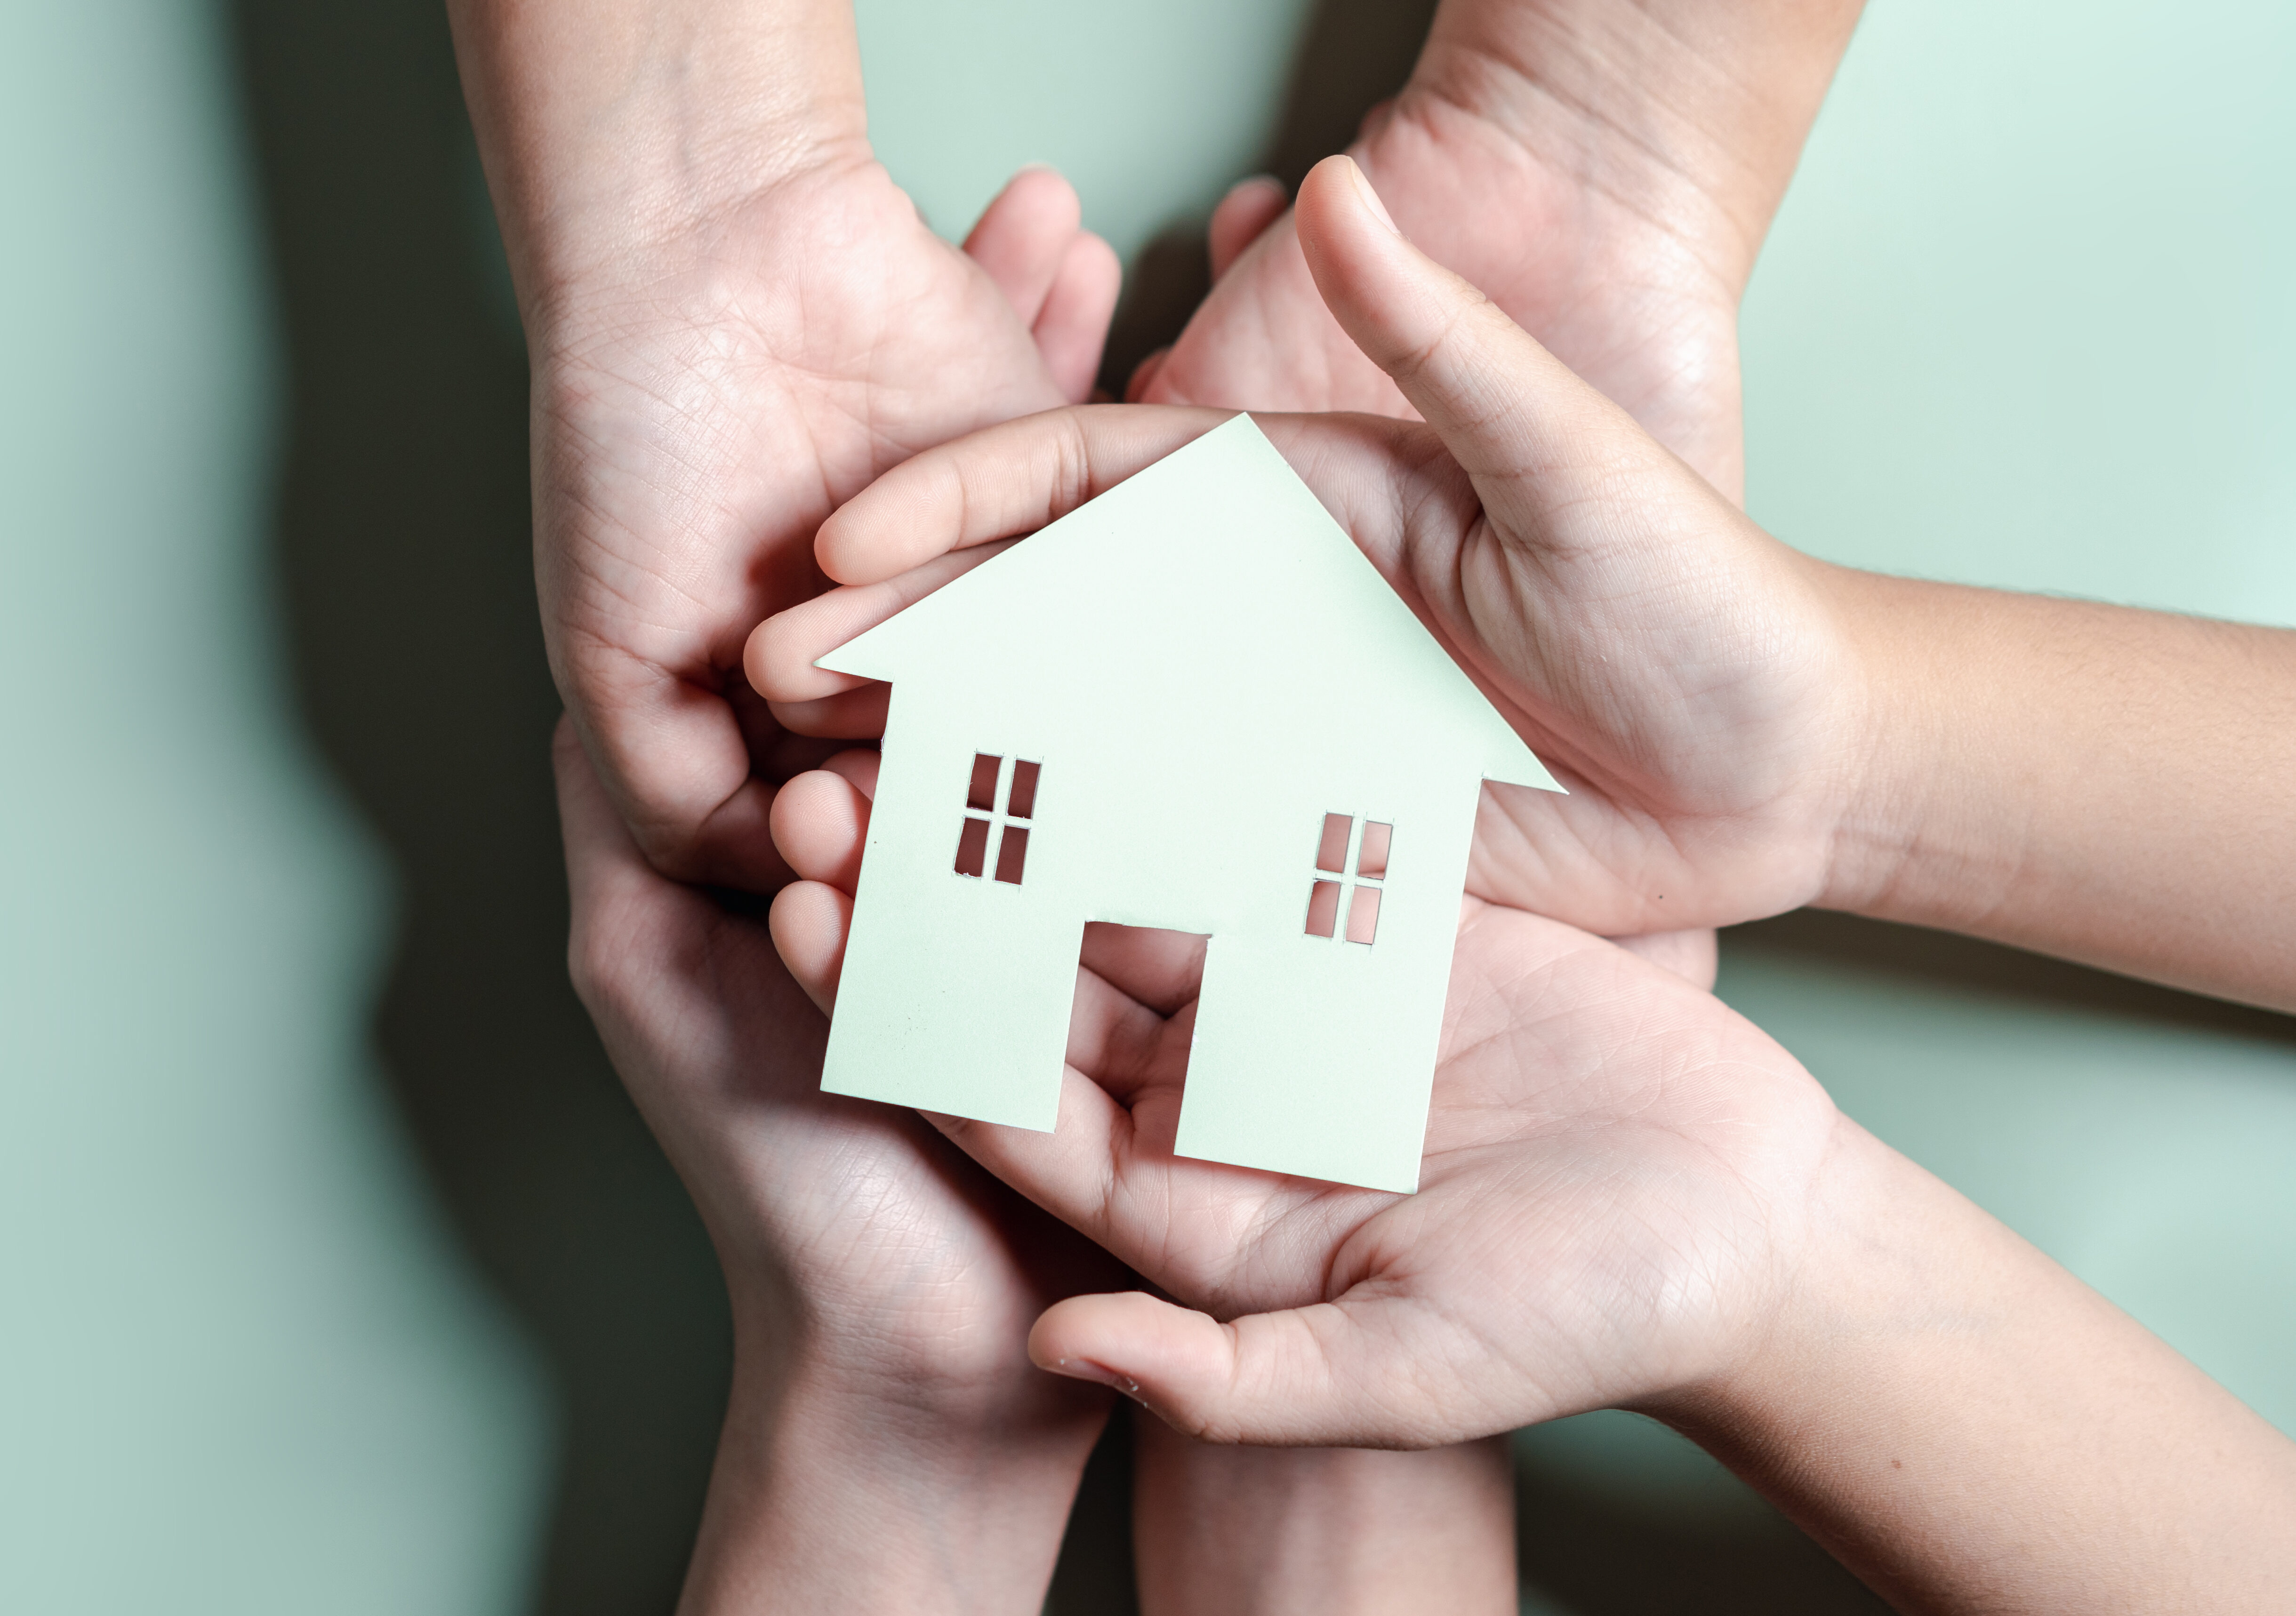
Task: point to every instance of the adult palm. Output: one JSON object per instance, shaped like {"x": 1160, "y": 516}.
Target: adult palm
{"x": 703, "y": 403}
{"x": 853, "y": 1238}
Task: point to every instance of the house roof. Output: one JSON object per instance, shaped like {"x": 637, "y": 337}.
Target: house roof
{"x": 1218, "y": 576}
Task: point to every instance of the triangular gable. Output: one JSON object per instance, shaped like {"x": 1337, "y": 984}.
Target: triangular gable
{"x": 1221, "y": 553}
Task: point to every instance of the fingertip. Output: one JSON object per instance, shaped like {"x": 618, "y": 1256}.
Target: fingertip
{"x": 1072, "y": 329}
{"x": 809, "y": 922}
{"x": 849, "y": 715}
{"x": 820, "y": 821}
{"x": 1242, "y": 216}
{"x": 859, "y": 765}
{"x": 1168, "y": 1357}
{"x": 1144, "y": 375}
{"x": 1021, "y": 236}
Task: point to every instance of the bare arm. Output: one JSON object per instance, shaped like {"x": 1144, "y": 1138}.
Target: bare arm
{"x": 1970, "y": 1428}
{"x": 605, "y": 125}
{"x": 2114, "y": 787}
{"x": 1335, "y": 1531}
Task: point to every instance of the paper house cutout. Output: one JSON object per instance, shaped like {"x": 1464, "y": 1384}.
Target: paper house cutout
{"x": 1190, "y": 704}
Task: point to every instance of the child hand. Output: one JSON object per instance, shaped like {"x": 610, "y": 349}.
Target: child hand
{"x": 1615, "y": 1192}
{"x": 1630, "y": 1196}
{"x": 1685, "y": 675}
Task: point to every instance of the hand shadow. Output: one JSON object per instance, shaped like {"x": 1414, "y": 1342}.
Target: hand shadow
{"x": 401, "y": 540}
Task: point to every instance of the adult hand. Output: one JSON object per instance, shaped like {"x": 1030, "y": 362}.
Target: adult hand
{"x": 888, "y": 1444}
{"x": 1604, "y": 172}
{"x": 736, "y": 320}
{"x": 696, "y": 421}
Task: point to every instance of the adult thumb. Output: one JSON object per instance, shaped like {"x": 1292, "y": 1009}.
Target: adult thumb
{"x": 1503, "y": 404}
{"x": 1325, "y": 1375}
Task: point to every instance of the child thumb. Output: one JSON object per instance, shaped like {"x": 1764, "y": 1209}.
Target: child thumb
{"x": 1501, "y": 403}
{"x": 1307, "y": 1376}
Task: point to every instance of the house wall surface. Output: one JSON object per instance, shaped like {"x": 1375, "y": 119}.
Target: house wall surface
{"x": 1312, "y": 1055}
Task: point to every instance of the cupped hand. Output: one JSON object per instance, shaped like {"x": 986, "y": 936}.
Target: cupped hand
{"x": 1692, "y": 682}
{"x": 1618, "y": 1184}
{"x": 859, "y": 1247}
{"x": 704, "y": 397}
{"x": 1572, "y": 180}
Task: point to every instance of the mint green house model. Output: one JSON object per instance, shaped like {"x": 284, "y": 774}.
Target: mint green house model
{"x": 1190, "y": 703}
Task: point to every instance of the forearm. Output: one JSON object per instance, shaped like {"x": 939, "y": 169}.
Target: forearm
{"x": 1971, "y": 1429}
{"x": 1254, "y": 1532}
{"x": 826, "y": 1498}
{"x": 2112, "y": 786}
{"x": 1696, "y": 111}
{"x": 600, "y": 122}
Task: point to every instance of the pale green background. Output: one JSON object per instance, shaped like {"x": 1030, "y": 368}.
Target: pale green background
{"x": 273, "y": 1335}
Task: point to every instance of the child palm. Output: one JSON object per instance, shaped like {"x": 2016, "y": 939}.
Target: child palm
{"x": 1683, "y": 673}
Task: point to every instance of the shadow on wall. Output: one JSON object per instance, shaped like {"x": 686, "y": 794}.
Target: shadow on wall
{"x": 1352, "y": 55}
{"x": 402, "y": 548}
{"x": 404, "y": 568}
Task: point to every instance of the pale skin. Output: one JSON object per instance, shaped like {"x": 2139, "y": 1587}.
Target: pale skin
{"x": 737, "y": 322}
{"x": 1630, "y": 1196}
{"x": 1607, "y": 173}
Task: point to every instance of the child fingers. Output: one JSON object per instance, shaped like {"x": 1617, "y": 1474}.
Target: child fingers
{"x": 1501, "y": 403}
{"x": 1161, "y": 969}
{"x": 810, "y": 921}
{"x": 1072, "y": 327}
{"x": 1329, "y": 1375}
{"x": 779, "y": 655}
{"x": 1242, "y": 217}
{"x": 1070, "y": 1172}
{"x": 1023, "y": 236}
{"x": 852, "y": 715}
{"x": 820, "y": 821}
{"x": 1122, "y": 1044}
{"x": 996, "y": 483}
{"x": 858, "y": 765}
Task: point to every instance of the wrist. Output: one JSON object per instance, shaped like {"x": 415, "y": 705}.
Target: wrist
{"x": 1913, "y": 841}
{"x": 833, "y": 1490}
{"x": 1692, "y": 113}
{"x": 605, "y": 134}
{"x": 1228, "y": 1532}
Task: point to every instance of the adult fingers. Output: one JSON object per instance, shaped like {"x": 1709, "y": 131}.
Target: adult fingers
{"x": 628, "y": 920}
{"x": 1243, "y": 216}
{"x": 1144, "y": 375}
{"x": 1072, "y": 327}
{"x": 1350, "y": 1373}
{"x": 1022, "y": 237}
{"x": 671, "y": 755}
{"x": 996, "y": 483}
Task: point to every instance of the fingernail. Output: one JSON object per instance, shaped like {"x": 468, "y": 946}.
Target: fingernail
{"x": 1370, "y": 196}
{"x": 1084, "y": 1369}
